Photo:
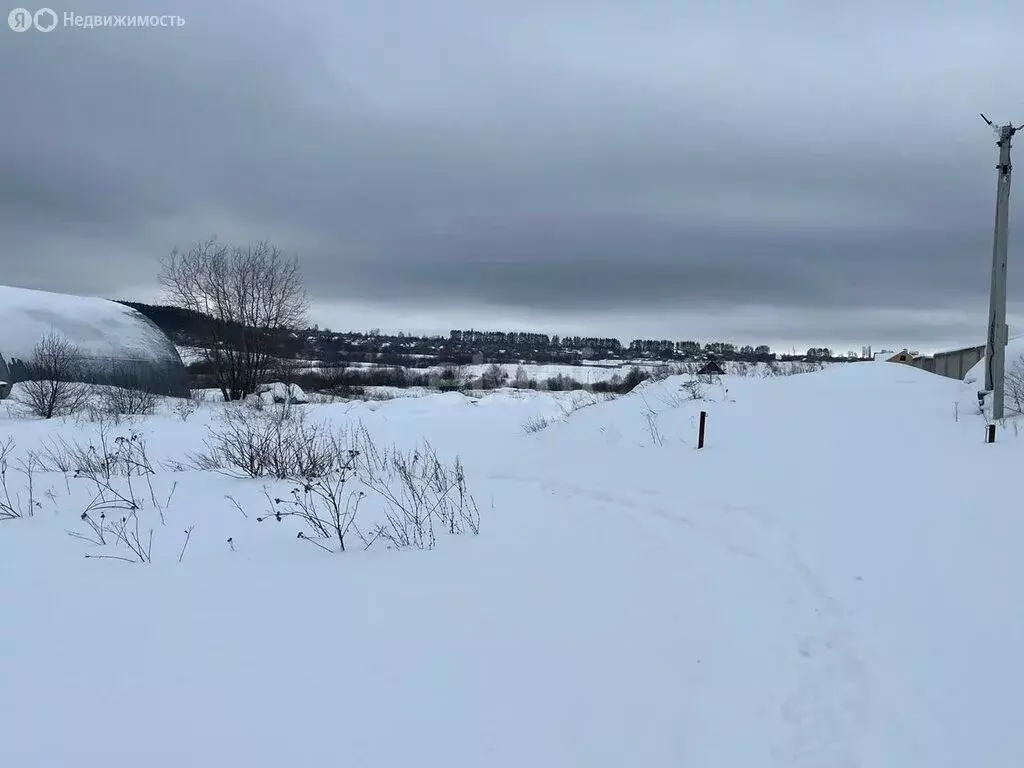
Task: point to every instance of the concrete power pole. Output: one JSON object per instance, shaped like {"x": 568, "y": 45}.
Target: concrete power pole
{"x": 995, "y": 345}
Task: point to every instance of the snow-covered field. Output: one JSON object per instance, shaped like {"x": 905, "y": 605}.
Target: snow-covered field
{"x": 589, "y": 372}
{"x": 832, "y": 582}
{"x": 605, "y": 371}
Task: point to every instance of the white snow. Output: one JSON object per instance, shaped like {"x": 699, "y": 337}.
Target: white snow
{"x": 1014, "y": 353}
{"x": 100, "y": 328}
{"x": 279, "y": 392}
{"x": 584, "y": 374}
{"x": 630, "y": 600}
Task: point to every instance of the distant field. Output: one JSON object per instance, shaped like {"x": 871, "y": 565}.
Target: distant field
{"x": 590, "y": 372}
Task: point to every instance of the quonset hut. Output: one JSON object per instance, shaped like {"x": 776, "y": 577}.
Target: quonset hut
{"x": 5, "y": 379}
{"x": 117, "y": 345}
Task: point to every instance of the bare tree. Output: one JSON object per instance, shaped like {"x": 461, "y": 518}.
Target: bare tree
{"x": 245, "y": 297}
{"x": 494, "y": 377}
{"x": 1014, "y": 385}
{"x": 53, "y": 376}
{"x": 522, "y": 379}
{"x": 131, "y": 396}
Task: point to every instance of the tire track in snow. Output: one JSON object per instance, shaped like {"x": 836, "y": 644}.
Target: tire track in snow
{"x": 827, "y": 711}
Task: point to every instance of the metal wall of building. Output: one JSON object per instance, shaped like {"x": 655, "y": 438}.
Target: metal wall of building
{"x": 161, "y": 377}
{"x": 924, "y": 363}
{"x": 953, "y": 364}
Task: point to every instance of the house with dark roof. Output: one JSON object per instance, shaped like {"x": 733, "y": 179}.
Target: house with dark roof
{"x": 711, "y": 368}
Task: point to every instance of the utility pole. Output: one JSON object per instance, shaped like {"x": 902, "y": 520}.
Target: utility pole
{"x": 995, "y": 345}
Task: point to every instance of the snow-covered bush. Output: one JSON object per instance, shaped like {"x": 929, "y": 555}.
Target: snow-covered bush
{"x": 413, "y": 496}
{"x": 184, "y": 407}
{"x": 104, "y": 455}
{"x": 327, "y": 506}
{"x": 16, "y": 504}
{"x": 693, "y": 389}
{"x": 128, "y": 401}
{"x": 281, "y": 443}
{"x": 118, "y": 476}
{"x": 535, "y": 424}
{"x": 420, "y": 494}
{"x": 1013, "y": 383}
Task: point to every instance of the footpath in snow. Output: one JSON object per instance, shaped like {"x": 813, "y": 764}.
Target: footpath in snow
{"x": 832, "y": 581}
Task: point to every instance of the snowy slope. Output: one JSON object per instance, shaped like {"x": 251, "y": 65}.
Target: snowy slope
{"x": 974, "y": 380}
{"x": 101, "y": 328}
{"x": 832, "y": 582}
{"x": 1014, "y": 353}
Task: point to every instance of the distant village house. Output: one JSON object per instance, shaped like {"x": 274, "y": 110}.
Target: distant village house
{"x": 888, "y": 356}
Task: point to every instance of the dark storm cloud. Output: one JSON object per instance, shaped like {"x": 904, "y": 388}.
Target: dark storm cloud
{"x": 540, "y": 157}
{"x": 607, "y": 263}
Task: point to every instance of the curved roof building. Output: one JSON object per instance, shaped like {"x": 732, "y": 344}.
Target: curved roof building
{"x": 5, "y": 379}
{"x": 116, "y": 344}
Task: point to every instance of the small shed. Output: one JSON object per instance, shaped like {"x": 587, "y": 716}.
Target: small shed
{"x": 711, "y": 368}
{"x": 888, "y": 356}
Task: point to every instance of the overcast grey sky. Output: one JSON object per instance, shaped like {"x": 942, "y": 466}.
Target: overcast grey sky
{"x": 786, "y": 172}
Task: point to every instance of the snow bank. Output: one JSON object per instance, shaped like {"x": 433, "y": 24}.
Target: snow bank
{"x": 279, "y": 392}
{"x": 1014, "y": 353}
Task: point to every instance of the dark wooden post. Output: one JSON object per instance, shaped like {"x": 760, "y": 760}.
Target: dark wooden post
{"x": 703, "y": 423}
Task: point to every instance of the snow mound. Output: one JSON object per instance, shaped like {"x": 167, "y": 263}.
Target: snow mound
{"x": 1014, "y": 353}
{"x": 278, "y": 392}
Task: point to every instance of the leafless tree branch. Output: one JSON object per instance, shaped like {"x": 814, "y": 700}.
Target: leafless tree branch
{"x": 246, "y": 296}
